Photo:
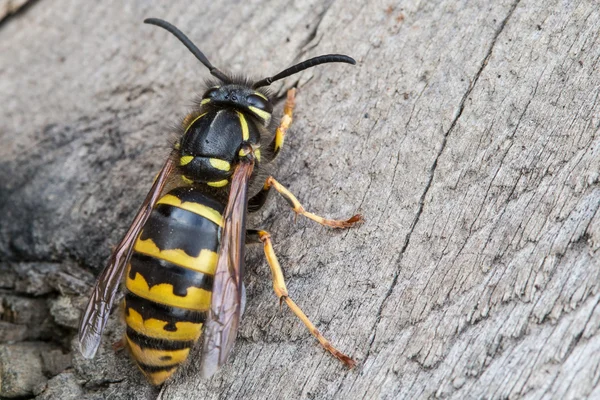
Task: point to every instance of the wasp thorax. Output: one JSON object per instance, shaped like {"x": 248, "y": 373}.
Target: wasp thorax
{"x": 213, "y": 171}
{"x": 209, "y": 148}
{"x": 242, "y": 98}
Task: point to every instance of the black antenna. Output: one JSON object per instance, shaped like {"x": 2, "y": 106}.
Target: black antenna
{"x": 328, "y": 58}
{"x": 191, "y": 46}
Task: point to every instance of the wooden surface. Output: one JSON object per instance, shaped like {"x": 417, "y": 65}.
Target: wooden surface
{"x": 467, "y": 135}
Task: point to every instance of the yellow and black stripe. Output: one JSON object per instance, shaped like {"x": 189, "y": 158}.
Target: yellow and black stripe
{"x": 169, "y": 280}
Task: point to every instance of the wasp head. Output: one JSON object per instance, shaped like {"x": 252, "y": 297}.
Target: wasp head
{"x": 240, "y": 97}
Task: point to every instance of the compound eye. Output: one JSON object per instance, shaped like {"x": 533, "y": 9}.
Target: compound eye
{"x": 210, "y": 93}
{"x": 260, "y": 103}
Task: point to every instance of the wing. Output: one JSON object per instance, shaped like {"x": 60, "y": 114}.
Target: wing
{"x": 224, "y": 316}
{"x": 97, "y": 311}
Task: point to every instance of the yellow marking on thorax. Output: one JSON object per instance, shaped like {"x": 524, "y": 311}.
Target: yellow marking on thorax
{"x": 154, "y": 328}
{"x": 153, "y": 356}
{"x": 185, "y": 160}
{"x": 192, "y": 123}
{"x": 209, "y": 213}
{"x": 220, "y": 164}
{"x": 186, "y": 179}
{"x": 244, "y": 124}
{"x": 260, "y": 113}
{"x": 195, "y": 299}
{"x": 244, "y": 152}
{"x": 259, "y": 94}
{"x": 257, "y": 154}
{"x": 206, "y": 262}
{"x": 204, "y": 101}
{"x": 222, "y": 183}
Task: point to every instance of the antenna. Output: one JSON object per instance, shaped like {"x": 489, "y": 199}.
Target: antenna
{"x": 313, "y": 62}
{"x": 191, "y": 46}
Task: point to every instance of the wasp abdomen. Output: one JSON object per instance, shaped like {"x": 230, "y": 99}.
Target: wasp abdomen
{"x": 169, "y": 280}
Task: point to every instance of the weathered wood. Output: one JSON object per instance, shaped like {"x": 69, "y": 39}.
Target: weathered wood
{"x": 467, "y": 135}
{"x": 10, "y": 7}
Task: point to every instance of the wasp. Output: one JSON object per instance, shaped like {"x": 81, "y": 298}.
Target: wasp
{"x": 183, "y": 255}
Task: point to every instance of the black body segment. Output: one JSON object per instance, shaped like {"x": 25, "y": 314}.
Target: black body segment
{"x": 149, "y": 309}
{"x": 171, "y": 228}
{"x": 219, "y": 134}
{"x": 155, "y": 343}
{"x": 188, "y": 194}
{"x": 169, "y": 280}
{"x": 166, "y": 272}
{"x": 211, "y": 142}
{"x": 211, "y": 169}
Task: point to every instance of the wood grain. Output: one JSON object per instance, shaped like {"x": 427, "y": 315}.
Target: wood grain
{"x": 467, "y": 136}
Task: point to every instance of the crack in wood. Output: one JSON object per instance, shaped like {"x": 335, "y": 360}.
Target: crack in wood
{"x": 432, "y": 173}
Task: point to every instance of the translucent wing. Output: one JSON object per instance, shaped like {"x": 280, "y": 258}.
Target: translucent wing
{"x": 224, "y": 316}
{"x": 98, "y": 309}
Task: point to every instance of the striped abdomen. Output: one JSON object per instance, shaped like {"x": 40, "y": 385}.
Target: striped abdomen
{"x": 169, "y": 280}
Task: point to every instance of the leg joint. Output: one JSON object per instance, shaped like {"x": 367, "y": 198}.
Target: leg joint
{"x": 264, "y": 236}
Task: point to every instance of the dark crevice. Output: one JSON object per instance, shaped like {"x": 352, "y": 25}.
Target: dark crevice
{"x": 25, "y": 397}
{"x": 313, "y": 31}
{"x": 101, "y": 385}
{"x": 432, "y": 170}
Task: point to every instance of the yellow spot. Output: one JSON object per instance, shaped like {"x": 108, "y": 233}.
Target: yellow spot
{"x": 154, "y": 328}
{"x": 220, "y": 164}
{"x": 244, "y": 152}
{"x": 186, "y": 179}
{"x": 262, "y": 114}
{"x": 222, "y": 183}
{"x": 257, "y": 154}
{"x": 206, "y": 262}
{"x": 177, "y": 146}
{"x": 244, "y": 124}
{"x": 153, "y": 356}
{"x": 195, "y": 299}
{"x": 204, "y": 101}
{"x": 279, "y": 141}
{"x": 209, "y": 213}
{"x": 195, "y": 119}
{"x": 158, "y": 378}
{"x": 259, "y": 94}
{"x": 185, "y": 160}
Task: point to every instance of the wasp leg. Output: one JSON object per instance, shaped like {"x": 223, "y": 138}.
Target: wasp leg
{"x": 299, "y": 209}
{"x": 285, "y": 123}
{"x": 282, "y": 293}
{"x": 259, "y": 199}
